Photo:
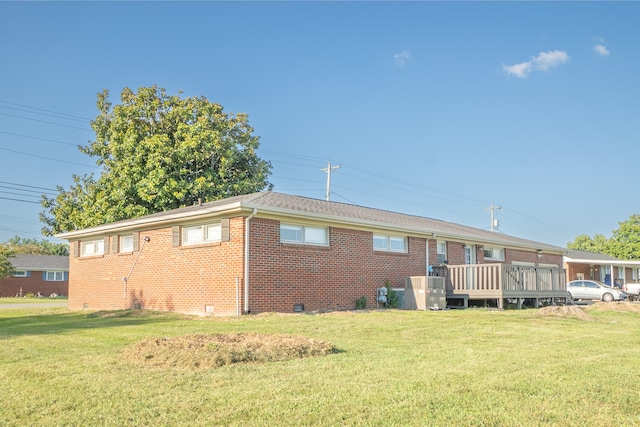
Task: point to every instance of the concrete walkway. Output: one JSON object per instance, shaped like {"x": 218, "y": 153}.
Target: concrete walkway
{"x": 33, "y": 305}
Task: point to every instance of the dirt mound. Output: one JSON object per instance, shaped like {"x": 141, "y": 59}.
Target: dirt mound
{"x": 615, "y": 306}
{"x": 568, "y": 311}
{"x": 200, "y": 351}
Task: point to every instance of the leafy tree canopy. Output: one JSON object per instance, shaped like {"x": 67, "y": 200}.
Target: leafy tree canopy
{"x": 6, "y": 268}
{"x": 597, "y": 244}
{"x": 158, "y": 152}
{"x": 623, "y": 244}
{"x": 21, "y": 245}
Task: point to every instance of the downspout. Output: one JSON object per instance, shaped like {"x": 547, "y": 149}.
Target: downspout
{"x": 246, "y": 260}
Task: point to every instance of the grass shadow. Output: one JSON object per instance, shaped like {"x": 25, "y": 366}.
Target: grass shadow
{"x": 59, "y": 321}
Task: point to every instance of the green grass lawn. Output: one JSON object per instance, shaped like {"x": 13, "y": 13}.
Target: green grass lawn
{"x": 34, "y": 300}
{"x": 404, "y": 368}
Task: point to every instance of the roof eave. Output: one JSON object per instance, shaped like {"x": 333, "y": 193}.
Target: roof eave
{"x": 132, "y": 224}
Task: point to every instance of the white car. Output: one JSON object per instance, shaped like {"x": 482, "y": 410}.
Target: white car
{"x": 593, "y": 290}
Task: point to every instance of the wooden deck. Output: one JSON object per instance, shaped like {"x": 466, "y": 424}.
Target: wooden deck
{"x": 503, "y": 281}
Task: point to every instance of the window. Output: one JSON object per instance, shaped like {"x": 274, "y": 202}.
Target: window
{"x": 94, "y": 247}
{"x": 126, "y": 243}
{"x": 204, "y": 233}
{"x": 494, "y": 253}
{"x": 54, "y": 276}
{"x": 304, "y": 234}
{"x": 389, "y": 243}
{"x": 20, "y": 273}
{"x": 634, "y": 274}
{"x": 442, "y": 252}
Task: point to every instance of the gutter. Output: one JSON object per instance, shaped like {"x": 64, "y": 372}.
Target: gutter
{"x": 246, "y": 260}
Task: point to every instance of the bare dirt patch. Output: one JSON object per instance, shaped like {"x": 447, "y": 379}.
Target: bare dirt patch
{"x": 200, "y": 351}
{"x": 619, "y": 306}
{"x": 566, "y": 311}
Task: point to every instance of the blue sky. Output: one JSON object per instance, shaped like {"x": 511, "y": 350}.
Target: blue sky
{"x": 438, "y": 109}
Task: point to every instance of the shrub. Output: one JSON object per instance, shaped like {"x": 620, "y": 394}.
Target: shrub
{"x": 393, "y": 299}
{"x": 361, "y": 303}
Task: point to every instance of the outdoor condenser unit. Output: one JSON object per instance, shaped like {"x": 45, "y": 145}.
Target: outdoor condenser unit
{"x": 425, "y": 293}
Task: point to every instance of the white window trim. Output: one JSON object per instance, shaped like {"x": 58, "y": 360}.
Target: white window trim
{"x": 55, "y": 276}
{"x": 121, "y": 247}
{"x": 388, "y": 239}
{"x": 210, "y": 232}
{"x": 441, "y": 244}
{"x": 305, "y": 232}
{"x": 493, "y": 250}
{"x": 98, "y": 247}
{"x": 20, "y": 273}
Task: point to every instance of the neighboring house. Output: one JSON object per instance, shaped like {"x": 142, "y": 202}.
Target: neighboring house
{"x": 272, "y": 252}
{"x": 38, "y": 275}
{"x": 589, "y": 265}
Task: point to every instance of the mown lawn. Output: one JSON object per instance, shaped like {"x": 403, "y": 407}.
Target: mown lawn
{"x": 34, "y": 300}
{"x": 404, "y": 368}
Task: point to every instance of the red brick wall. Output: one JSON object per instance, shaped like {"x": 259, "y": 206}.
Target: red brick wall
{"x": 12, "y": 286}
{"x": 323, "y": 278}
{"x": 183, "y": 278}
{"x": 512, "y": 255}
{"x": 188, "y": 278}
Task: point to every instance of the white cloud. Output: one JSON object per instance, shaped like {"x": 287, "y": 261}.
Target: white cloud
{"x": 402, "y": 57}
{"x": 599, "y": 47}
{"x": 519, "y": 70}
{"x": 601, "y": 50}
{"x": 541, "y": 62}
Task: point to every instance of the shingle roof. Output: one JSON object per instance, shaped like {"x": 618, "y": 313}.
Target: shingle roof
{"x": 298, "y": 206}
{"x": 40, "y": 262}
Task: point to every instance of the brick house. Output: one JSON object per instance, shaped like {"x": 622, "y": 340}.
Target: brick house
{"x": 37, "y": 274}
{"x": 272, "y": 252}
{"x": 581, "y": 265}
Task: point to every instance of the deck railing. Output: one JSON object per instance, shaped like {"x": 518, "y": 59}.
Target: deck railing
{"x": 501, "y": 277}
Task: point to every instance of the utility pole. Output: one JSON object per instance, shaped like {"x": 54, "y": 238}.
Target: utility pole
{"x": 494, "y": 220}
{"x": 329, "y": 169}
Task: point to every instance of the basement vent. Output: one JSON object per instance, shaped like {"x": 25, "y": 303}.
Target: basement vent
{"x": 137, "y": 305}
{"x": 85, "y": 305}
{"x": 208, "y": 309}
{"x": 298, "y": 308}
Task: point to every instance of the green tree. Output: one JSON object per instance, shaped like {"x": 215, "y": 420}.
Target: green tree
{"x": 6, "y": 268}
{"x": 21, "y": 245}
{"x": 158, "y": 152}
{"x": 625, "y": 242}
{"x": 598, "y": 244}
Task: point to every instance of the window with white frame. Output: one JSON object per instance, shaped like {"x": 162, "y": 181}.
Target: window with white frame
{"x": 634, "y": 274}
{"x": 203, "y": 233}
{"x": 442, "y": 251}
{"x": 494, "y": 253}
{"x": 54, "y": 276}
{"x": 389, "y": 243}
{"x": 93, "y": 247}
{"x": 126, "y": 243}
{"x": 291, "y": 233}
{"x": 20, "y": 273}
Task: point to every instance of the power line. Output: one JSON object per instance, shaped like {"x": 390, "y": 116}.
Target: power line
{"x": 44, "y": 121}
{"x": 55, "y": 115}
{"x": 47, "y": 158}
{"x": 25, "y": 185}
{"x": 40, "y": 139}
{"x": 19, "y": 200}
{"x": 70, "y": 116}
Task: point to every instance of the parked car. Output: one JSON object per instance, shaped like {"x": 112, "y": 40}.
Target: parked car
{"x": 632, "y": 290}
{"x": 593, "y": 290}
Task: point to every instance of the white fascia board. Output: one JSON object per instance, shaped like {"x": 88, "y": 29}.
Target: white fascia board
{"x": 602, "y": 261}
{"x": 136, "y": 223}
{"x": 428, "y": 234}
